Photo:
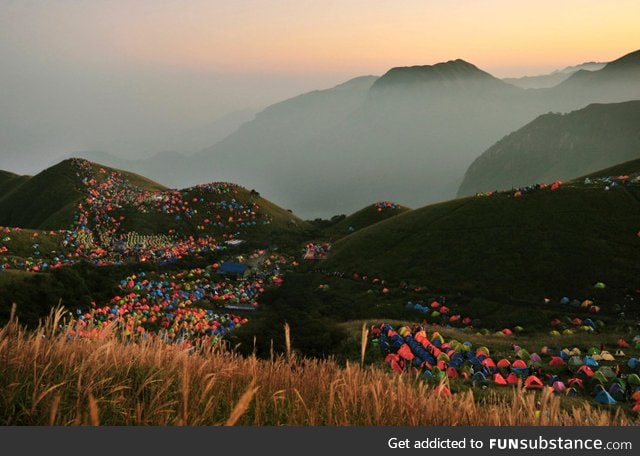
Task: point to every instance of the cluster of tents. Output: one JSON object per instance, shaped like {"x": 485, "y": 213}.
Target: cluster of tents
{"x": 566, "y": 372}
{"x": 520, "y": 191}
{"x": 97, "y": 234}
{"x": 610, "y": 182}
{"x": 171, "y": 304}
{"x": 385, "y": 205}
{"x": 316, "y": 251}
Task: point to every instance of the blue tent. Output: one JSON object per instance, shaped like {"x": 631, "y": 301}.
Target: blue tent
{"x": 589, "y": 361}
{"x": 632, "y": 363}
{"x": 604, "y": 398}
{"x": 232, "y": 268}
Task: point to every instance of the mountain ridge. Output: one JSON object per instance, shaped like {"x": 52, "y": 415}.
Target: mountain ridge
{"x": 558, "y": 147}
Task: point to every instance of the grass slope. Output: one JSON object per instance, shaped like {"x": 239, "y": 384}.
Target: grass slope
{"x": 363, "y": 218}
{"x": 508, "y": 249}
{"x": 50, "y": 199}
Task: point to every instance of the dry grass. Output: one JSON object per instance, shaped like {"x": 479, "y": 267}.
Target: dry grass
{"x": 48, "y": 377}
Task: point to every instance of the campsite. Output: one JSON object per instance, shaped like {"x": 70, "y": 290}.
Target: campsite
{"x": 497, "y": 299}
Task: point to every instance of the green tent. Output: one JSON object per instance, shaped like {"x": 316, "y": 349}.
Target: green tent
{"x": 608, "y": 373}
{"x": 633, "y": 380}
{"x": 574, "y": 363}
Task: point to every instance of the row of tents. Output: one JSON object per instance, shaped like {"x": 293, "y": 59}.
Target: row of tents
{"x": 566, "y": 371}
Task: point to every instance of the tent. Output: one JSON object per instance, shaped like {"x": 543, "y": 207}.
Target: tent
{"x": 633, "y": 380}
{"x": 606, "y": 356}
{"x": 442, "y": 390}
{"x": 556, "y": 361}
{"x": 533, "y": 382}
{"x": 232, "y": 268}
{"x": 575, "y": 362}
{"x": 617, "y": 390}
{"x": 478, "y": 377}
{"x": 590, "y": 361}
{"x": 519, "y": 367}
{"x": 576, "y": 382}
{"x": 632, "y": 363}
{"x": 559, "y": 386}
{"x": 585, "y": 370}
{"x": 608, "y": 373}
{"x": 513, "y": 379}
{"x": 452, "y": 372}
{"x": 604, "y": 397}
{"x": 498, "y": 379}
{"x": 600, "y": 286}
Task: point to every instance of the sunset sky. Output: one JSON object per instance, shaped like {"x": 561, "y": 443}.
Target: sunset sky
{"x": 69, "y": 67}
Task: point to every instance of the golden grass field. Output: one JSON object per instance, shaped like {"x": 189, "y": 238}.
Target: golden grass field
{"x": 49, "y": 377}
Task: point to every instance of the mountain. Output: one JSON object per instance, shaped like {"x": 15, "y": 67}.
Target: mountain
{"x": 558, "y": 146}
{"x": 510, "y": 250}
{"x": 171, "y": 165}
{"x": 452, "y": 74}
{"x": 544, "y": 81}
{"x": 404, "y": 136}
{"x": 109, "y": 202}
{"x": 407, "y": 136}
{"x": 618, "y": 81}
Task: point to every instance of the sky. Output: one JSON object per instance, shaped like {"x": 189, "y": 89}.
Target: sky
{"x": 138, "y": 77}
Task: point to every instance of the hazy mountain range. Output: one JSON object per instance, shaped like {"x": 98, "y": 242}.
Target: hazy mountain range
{"x": 544, "y": 81}
{"x": 407, "y": 136}
{"x": 558, "y": 146}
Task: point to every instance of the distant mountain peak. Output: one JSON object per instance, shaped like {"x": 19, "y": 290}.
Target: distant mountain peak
{"x": 452, "y": 72}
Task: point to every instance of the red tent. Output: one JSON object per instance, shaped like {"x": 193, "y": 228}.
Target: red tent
{"x": 556, "y": 361}
{"x": 498, "y": 379}
{"x": 512, "y": 379}
{"x": 519, "y": 364}
{"x": 533, "y": 382}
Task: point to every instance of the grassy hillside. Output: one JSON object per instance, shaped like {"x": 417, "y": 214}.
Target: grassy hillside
{"x": 363, "y": 218}
{"x": 134, "y": 203}
{"x": 49, "y": 200}
{"x": 510, "y": 249}
{"x": 558, "y": 146}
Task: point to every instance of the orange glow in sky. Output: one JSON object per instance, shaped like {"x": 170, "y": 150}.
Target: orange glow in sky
{"x": 372, "y": 36}
{"x": 504, "y": 37}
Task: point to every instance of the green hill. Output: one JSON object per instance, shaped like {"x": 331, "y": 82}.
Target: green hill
{"x": 49, "y": 200}
{"x": 509, "y": 249}
{"x": 558, "y": 146}
{"x": 365, "y": 217}
{"x": 80, "y": 195}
